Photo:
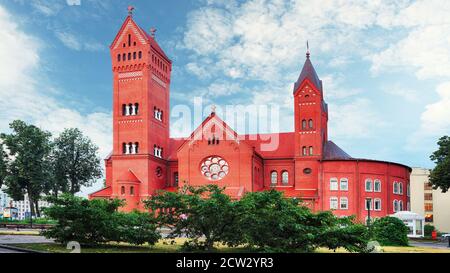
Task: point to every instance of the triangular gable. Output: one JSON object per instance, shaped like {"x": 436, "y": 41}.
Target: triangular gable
{"x": 308, "y": 82}
{"x": 127, "y": 25}
{"x": 211, "y": 120}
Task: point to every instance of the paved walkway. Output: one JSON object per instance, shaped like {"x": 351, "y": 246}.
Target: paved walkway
{"x": 440, "y": 244}
{"x": 5, "y": 250}
{"x": 23, "y": 239}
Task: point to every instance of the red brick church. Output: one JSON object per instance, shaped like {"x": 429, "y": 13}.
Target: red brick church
{"x": 305, "y": 164}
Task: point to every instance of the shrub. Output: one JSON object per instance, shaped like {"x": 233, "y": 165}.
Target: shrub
{"x": 390, "y": 231}
{"x": 91, "y": 222}
{"x": 203, "y": 214}
{"x": 428, "y": 230}
{"x": 275, "y": 223}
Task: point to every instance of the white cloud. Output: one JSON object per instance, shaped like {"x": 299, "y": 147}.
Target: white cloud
{"x": 23, "y": 97}
{"x": 77, "y": 43}
{"x": 436, "y": 117}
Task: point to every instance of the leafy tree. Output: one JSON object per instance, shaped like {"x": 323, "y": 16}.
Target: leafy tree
{"x": 390, "y": 231}
{"x": 428, "y": 230}
{"x": 29, "y": 148}
{"x": 275, "y": 223}
{"x": 3, "y": 165}
{"x": 75, "y": 162}
{"x": 92, "y": 222}
{"x": 440, "y": 175}
{"x": 204, "y": 214}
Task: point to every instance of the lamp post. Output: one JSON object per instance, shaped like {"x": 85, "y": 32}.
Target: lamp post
{"x": 369, "y": 202}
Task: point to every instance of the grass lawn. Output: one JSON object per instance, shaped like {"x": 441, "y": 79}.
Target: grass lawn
{"x": 21, "y": 232}
{"x": 164, "y": 246}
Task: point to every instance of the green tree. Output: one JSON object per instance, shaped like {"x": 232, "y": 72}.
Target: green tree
{"x": 204, "y": 214}
{"x": 390, "y": 231}
{"x": 75, "y": 162}
{"x": 440, "y": 175}
{"x": 3, "y": 164}
{"x": 29, "y": 148}
{"x": 272, "y": 222}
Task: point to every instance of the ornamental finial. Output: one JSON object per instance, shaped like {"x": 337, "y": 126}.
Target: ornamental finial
{"x": 153, "y": 32}
{"x": 307, "y": 49}
{"x": 213, "y": 109}
{"x": 130, "y": 10}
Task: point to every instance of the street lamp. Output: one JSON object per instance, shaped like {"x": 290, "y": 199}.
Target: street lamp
{"x": 368, "y": 206}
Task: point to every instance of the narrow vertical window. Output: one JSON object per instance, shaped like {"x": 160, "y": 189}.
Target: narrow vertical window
{"x": 344, "y": 184}
{"x": 311, "y": 152}
{"x": 131, "y": 190}
{"x": 134, "y": 55}
{"x": 122, "y": 190}
{"x": 304, "y": 124}
{"x": 344, "y": 203}
{"x": 129, "y": 39}
{"x": 129, "y": 56}
{"x": 333, "y": 184}
{"x": 304, "y": 151}
{"x": 311, "y": 124}
{"x": 118, "y": 57}
{"x": 285, "y": 177}
{"x": 377, "y": 185}
{"x": 333, "y": 203}
{"x": 273, "y": 177}
{"x": 369, "y": 185}
{"x": 140, "y": 54}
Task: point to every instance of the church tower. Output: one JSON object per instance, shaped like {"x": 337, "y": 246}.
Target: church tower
{"x": 311, "y": 127}
{"x": 141, "y": 88}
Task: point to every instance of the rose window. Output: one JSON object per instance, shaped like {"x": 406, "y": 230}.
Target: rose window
{"x": 214, "y": 168}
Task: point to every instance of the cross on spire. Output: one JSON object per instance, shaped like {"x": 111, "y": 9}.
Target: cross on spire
{"x": 307, "y": 49}
{"x": 130, "y": 10}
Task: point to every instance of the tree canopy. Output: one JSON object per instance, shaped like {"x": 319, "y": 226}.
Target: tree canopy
{"x": 440, "y": 175}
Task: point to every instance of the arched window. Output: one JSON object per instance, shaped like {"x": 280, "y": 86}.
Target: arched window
{"x": 344, "y": 184}
{"x": 304, "y": 124}
{"x": 134, "y": 55}
{"x": 119, "y": 57}
{"x": 273, "y": 177}
{"x": 124, "y": 148}
{"x": 400, "y": 187}
{"x": 311, "y": 150}
{"x": 344, "y": 203}
{"x": 140, "y": 54}
{"x": 304, "y": 151}
{"x": 129, "y": 56}
{"x": 136, "y": 108}
{"x": 369, "y": 185}
{"x": 396, "y": 190}
{"x": 124, "y": 109}
{"x": 124, "y": 57}
{"x": 285, "y": 177}
{"x": 377, "y": 185}
{"x": 129, "y": 39}
{"x": 311, "y": 124}
{"x": 175, "y": 179}
{"x": 400, "y": 205}
{"x": 333, "y": 202}
{"x": 369, "y": 204}
{"x": 122, "y": 190}
{"x": 136, "y": 147}
{"x": 333, "y": 184}
{"x": 377, "y": 204}
{"x": 395, "y": 205}
{"x": 131, "y": 190}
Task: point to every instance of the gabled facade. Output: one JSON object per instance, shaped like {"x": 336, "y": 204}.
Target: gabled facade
{"x": 304, "y": 164}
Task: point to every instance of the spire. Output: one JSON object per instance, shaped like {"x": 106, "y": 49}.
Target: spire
{"x": 308, "y": 72}
{"x": 307, "y": 50}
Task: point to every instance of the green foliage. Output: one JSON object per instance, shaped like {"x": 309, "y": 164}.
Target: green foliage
{"x": 390, "y": 231}
{"x": 74, "y": 162}
{"x": 136, "y": 228}
{"x": 198, "y": 212}
{"x": 3, "y": 164}
{"x": 29, "y": 147}
{"x": 275, "y": 223}
{"x": 428, "y": 230}
{"x": 92, "y": 222}
{"x": 440, "y": 175}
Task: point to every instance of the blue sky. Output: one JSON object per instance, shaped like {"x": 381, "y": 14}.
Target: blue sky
{"x": 385, "y": 64}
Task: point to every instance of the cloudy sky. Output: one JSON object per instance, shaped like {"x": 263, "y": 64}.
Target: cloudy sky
{"x": 385, "y": 64}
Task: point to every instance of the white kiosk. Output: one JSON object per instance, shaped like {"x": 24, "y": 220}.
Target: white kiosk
{"x": 413, "y": 221}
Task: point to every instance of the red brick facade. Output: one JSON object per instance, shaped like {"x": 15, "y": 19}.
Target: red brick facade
{"x": 303, "y": 163}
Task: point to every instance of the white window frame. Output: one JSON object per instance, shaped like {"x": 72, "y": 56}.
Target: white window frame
{"x": 368, "y": 180}
{"x": 371, "y": 203}
{"x": 344, "y": 179}
{"x": 272, "y": 177}
{"x": 395, "y": 205}
{"x": 377, "y": 182}
{"x": 395, "y": 187}
{"x": 375, "y": 201}
{"x": 334, "y": 203}
{"x": 334, "y": 184}
{"x": 400, "y": 188}
{"x": 400, "y": 205}
{"x": 343, "y": 200}
{"x": 285, "y": 174}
